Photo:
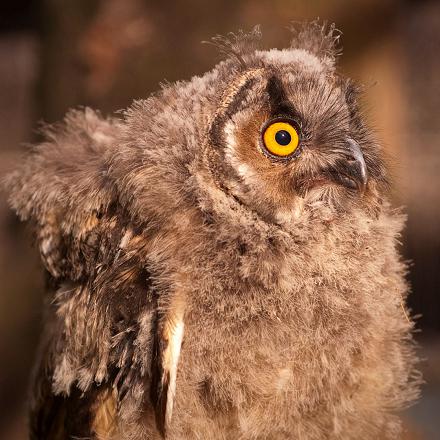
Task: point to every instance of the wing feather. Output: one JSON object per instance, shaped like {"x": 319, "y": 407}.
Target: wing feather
{"x": 104, "y": 319}
{"x": 169, "y": 345}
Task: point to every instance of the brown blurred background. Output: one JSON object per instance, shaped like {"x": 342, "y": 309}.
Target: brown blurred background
{"x": 105, "y": 53}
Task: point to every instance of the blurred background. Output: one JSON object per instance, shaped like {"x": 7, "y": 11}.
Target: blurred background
{"x": 104, "y": 53}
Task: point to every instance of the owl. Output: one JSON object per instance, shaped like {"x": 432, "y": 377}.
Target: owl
{"x": 222, "y": 259}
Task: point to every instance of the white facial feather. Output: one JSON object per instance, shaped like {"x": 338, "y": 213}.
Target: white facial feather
{"x": 305, "y": 59}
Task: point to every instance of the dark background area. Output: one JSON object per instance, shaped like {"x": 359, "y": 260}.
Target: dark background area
{"x": 105, "y": 53}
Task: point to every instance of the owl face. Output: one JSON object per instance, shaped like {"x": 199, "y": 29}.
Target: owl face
{"x": 289, "y": 133}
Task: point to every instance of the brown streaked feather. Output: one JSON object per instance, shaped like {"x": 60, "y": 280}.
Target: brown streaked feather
{"x": 55, "y": 417}
{"x": 49, "y": 241}
{"x": 104, "y": 423}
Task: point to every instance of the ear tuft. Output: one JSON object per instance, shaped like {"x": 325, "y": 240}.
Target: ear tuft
{"x": 320, "y": 39}
{"x": 237, "y": 46}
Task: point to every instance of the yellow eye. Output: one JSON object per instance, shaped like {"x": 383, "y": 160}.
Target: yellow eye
{"x": 280, "y": 139}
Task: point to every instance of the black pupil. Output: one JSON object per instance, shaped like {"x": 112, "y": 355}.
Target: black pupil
{"x": 283, "y": 137}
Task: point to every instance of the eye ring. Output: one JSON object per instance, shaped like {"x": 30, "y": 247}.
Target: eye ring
{"x": 280, "y": 139}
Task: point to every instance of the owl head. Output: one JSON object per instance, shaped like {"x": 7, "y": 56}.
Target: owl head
{"x": 286, "y": 130}
{"x": 275, "y": 133}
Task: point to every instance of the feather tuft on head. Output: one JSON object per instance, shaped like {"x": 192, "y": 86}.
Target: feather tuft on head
{"x": 237, "y": 46}
{"x": 321, "y": 39}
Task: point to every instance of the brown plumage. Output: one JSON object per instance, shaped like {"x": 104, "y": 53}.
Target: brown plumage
{"x": 202, "y": 287}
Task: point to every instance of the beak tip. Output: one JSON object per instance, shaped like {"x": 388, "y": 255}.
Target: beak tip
{"x": 358, "y": 168}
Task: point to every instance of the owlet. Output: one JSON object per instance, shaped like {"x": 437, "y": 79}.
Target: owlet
{"x": 222, "y": 260}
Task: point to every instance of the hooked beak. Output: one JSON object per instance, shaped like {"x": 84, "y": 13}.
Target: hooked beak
{"x": 351, "y": 171}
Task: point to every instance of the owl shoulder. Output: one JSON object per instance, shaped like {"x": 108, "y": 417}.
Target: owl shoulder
{"x": 64, "y": 189}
